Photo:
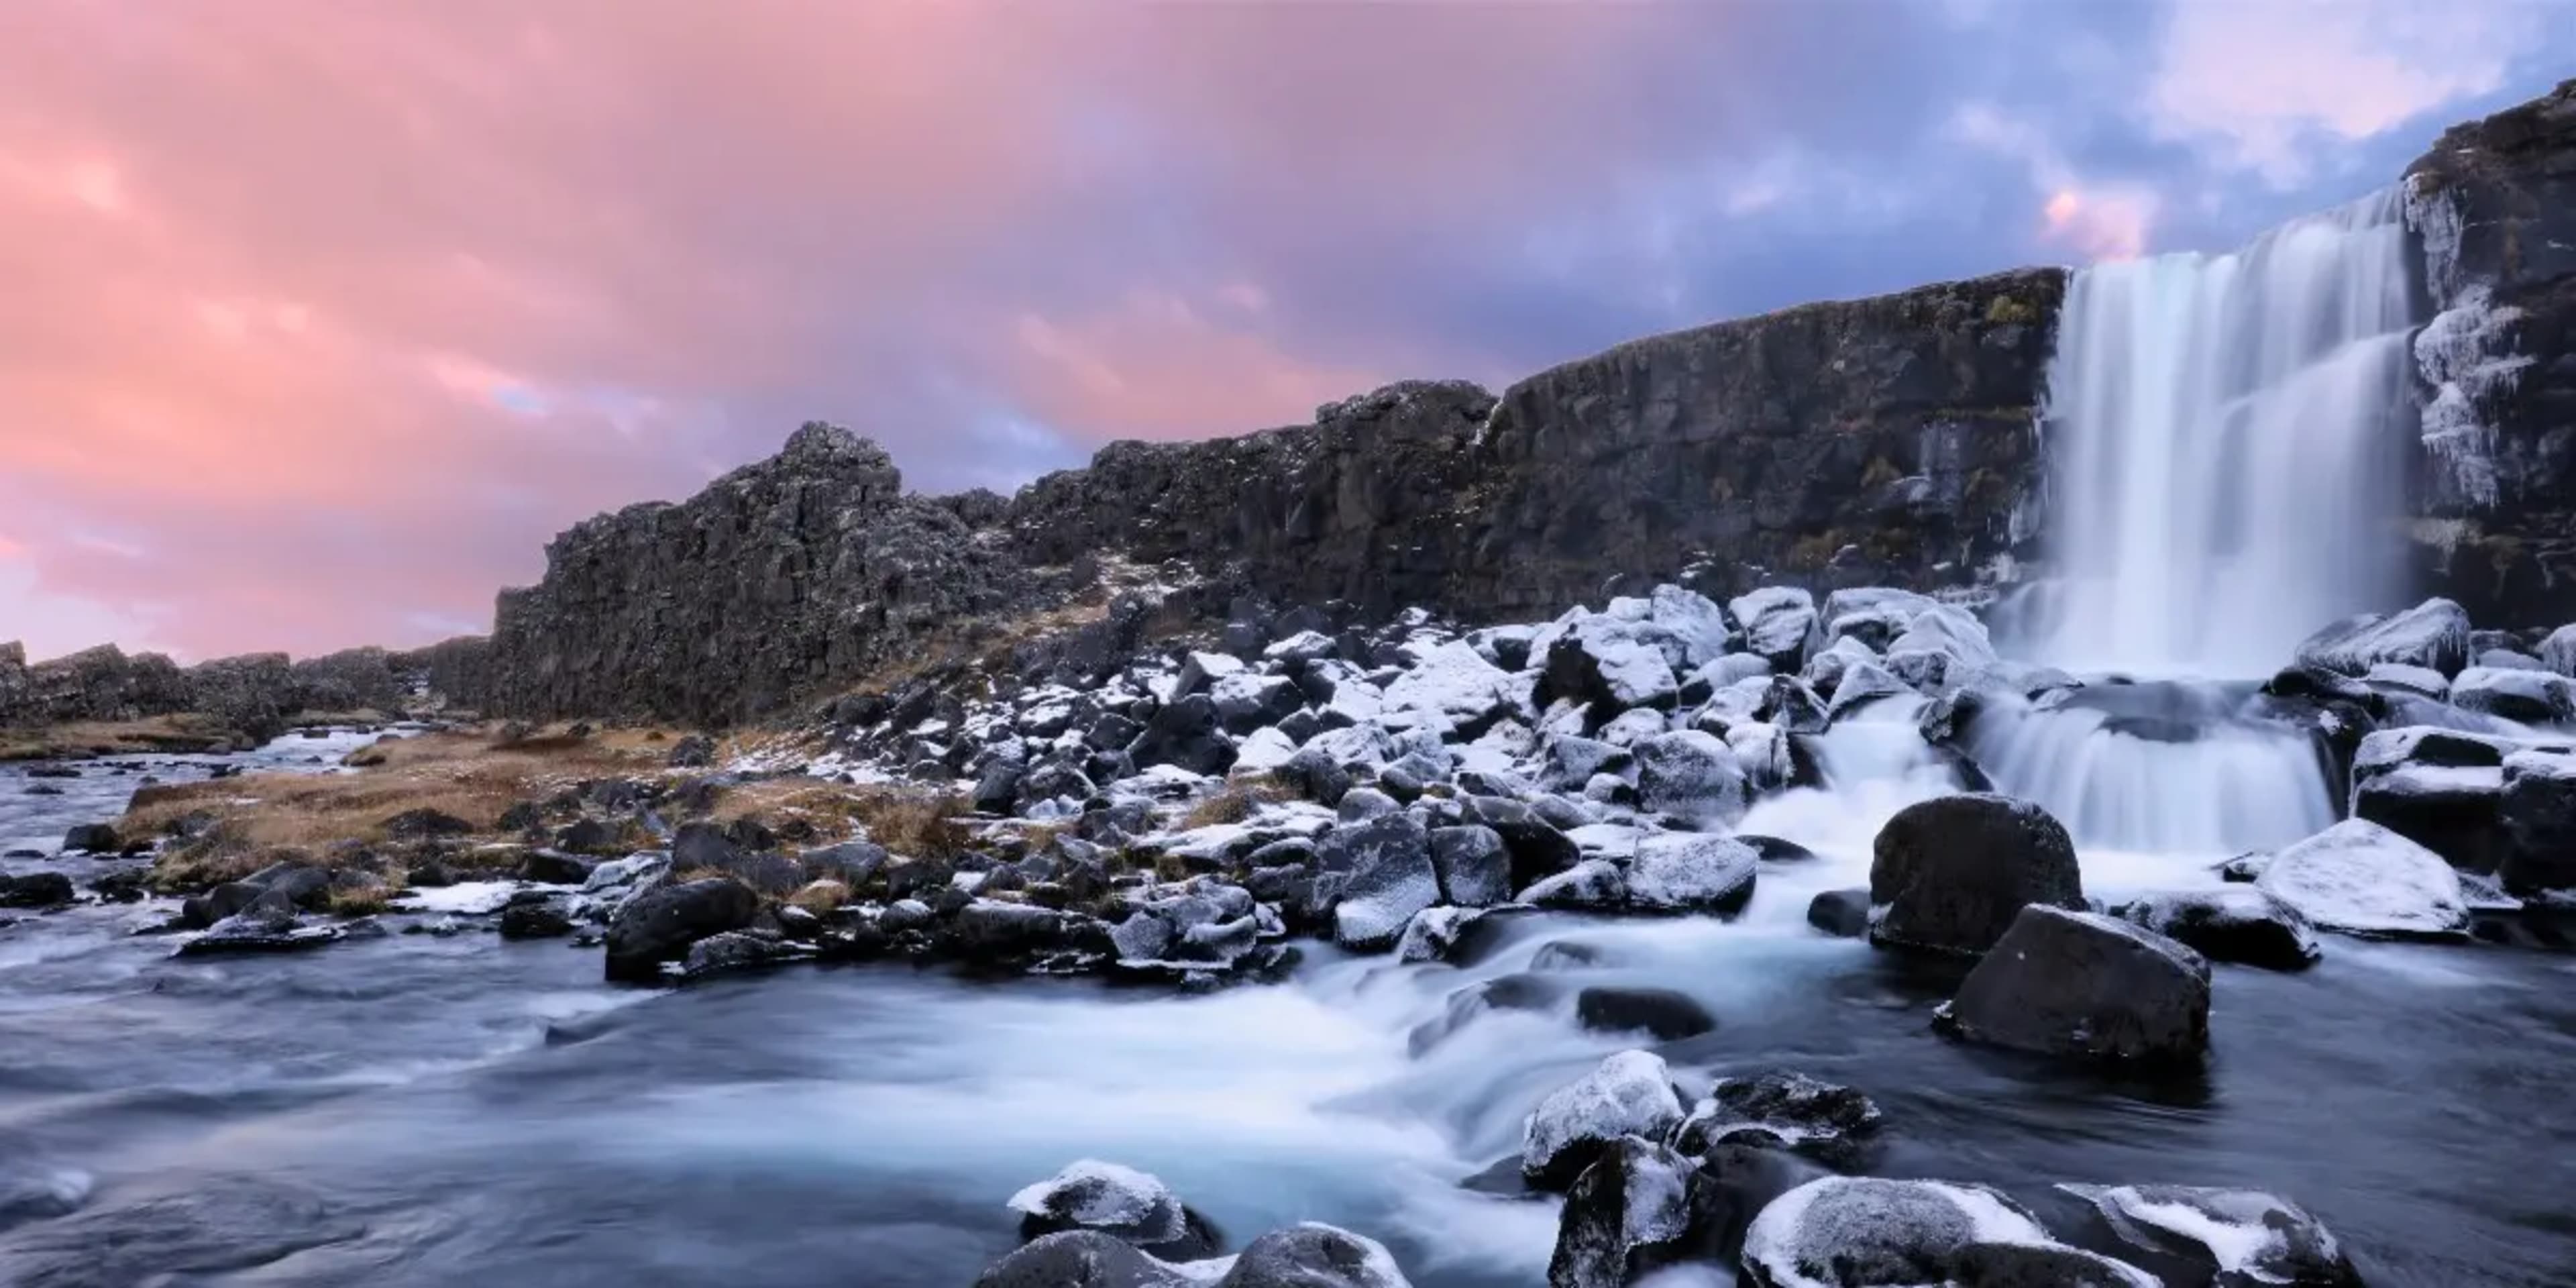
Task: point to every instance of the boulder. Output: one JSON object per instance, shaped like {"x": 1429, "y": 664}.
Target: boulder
{"x": 1538, "y": 848}
{"x": 1779, "y": 624}
{"x": 2453, "y": 810}
{"x": 1594, "y": 885}
{"x": 2086, "y": 985}
{"x": 2527, "y": 696}
{"x": 2361, "y": 879}
{"x": 1687, "y": 872}
{"x": 1843, "y": 914}
{"x": 36, "y": 890}
{"x": 1872, "y": 615}
{"x": 1125, "y": 1204}
{"x": 1082, "y": 1259}
{"x": 2233, "y": 924}
{"x": 1248, "y": 702}
{"x": 1184, "y": 732}
{"x": 2244, "y": 1237}
{"x": 1780, "y": 1110}
{"x": 1638, "y": 1206}
{"x": 1864, "y": 1232}
{"x": 1629, "y": 1094}
{"x": 261, "y": 930}
{"x": 1862, "y": 683}
{"x": 2537, "y": 814}
{"x": 1610, "y": 665}
{"x": 2558, "y": 651}
{"x": 1690, "y": 776}
{"x": 658, "y": 925}
{"x": 1314, "y": 1255}
{"x": 1451, "y": 681}
{"x": 1570, "y": 762}
{"x": 1390, "y": 878}
{"x": 1474, "y": 867}
{"x": 1665, "y": 1014}
{"x": 1434, "y": 934}
{"x": 535, "y": 919}
{"x": 2433, "y": 635}
{"x": 736, "y": 951}
{"x": 92, "y": 838}
{"x": 1952, "y": 873}
{"x": 550, "y": 867}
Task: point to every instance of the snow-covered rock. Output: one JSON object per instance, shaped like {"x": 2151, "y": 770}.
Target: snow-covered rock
{"x": 2433, "y": 634}
{"x": 1939, "y": 641}
{"x": 1825, "y": 669}
{"x": 1692, "y": 776}
{"x": 1691, "y": 872}
{"x": 2247, "y": 1236}
{"x": 1474, "y": 867}
{"x": 1629, "y": 728}
{"x": 2360, "y": 878}
{"x": 1300, "y": 648}
{"x": 2232, "y": 924}
{"x": 1872, "y": 615}
{"x": 1569, "y": 762}
{"x": 1779, "y": 624}
{"x": 1762, "y": 750}
{"x": 1591, "y": 885}
{"x": 1609, "y": 663}
{"x": 1314, "y": 1255}
{"x": 1458, "y": 684}
{"x": 1262, "y": 751}
{"x": 1629, "y": 1094}
{"x": 1113, "y": 1199}
{"x": 1391, "y": 878}
{"x": 1693, "y": 626}
{"x": 1245, "y": 702}
{"x": 1863, "y": 682}
{"x": 1637, "y": 1206}
{"x": 2558, "y": 652}
{"x": 2537, "y": 814}
{"x": 1200, "y": 671}
{"x": 1864, "y": 1232}
{"x": 1777, "y": 1110}
{"x": 2528, "y": 696}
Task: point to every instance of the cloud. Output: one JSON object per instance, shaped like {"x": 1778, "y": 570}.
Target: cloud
{"x": 2262, "y": 83}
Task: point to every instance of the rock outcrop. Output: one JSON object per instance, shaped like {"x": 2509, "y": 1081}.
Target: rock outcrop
{"x": 1828, "y": 444}
{"x": 2494, "y": 207}
{"x": 253, "y": 695}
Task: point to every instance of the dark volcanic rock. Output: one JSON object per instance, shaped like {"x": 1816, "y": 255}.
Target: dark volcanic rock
{"x": 2082, "y": 984}
{"x": 1779, "y": 1110}
{"x": 1314, "y": 1256}
{"x": 93, "y": 838}
{"x": 1864, "y": 1232}
{"x": 1952, "y": 873}
{"x": 1080, "y": 1259}
{"x": 1638, "y": 1206}
{"x": 660, "y": 924}
{"x": 1668, "y": 1015}
{"x": 35, "y": 890}
{"x": 2236, "y": 924}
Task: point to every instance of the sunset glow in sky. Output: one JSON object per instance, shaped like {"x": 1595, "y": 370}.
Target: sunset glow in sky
{"x": 320, "y": 317}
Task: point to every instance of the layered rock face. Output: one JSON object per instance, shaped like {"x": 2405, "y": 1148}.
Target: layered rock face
{"x": 1889, "y": 437}
{"x": 2494, "y": 203}
{"x": 253, "y": 693}
{"x": 806, "y": 567}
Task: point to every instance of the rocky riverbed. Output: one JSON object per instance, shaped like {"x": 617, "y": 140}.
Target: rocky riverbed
{"x": 1589, "y": 951}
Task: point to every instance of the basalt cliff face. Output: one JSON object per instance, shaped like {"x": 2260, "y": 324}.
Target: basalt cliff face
{"x": 252, "y": 695}
{"x": 1871, "y": 440}
{"x": 1882, "y": 441}
{"x": 2494, "y": 204}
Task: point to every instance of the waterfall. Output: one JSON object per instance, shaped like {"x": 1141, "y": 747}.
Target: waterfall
{"x": 2225, "y": 471}
{"x": 2225, "y": 460}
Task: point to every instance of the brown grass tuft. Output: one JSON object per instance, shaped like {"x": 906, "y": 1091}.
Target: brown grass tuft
{"x": 821, "y": 898}
{"x": 1235, "y": 802}
{"x": 916, "y": 824}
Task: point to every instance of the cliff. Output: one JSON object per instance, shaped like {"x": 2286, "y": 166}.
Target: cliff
{"x": 2494, "y": 206}
{"x": 1878, "y": 439}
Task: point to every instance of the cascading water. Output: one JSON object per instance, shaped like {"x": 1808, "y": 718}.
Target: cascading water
{"x": 2225, "y": 459}
{"x": 2225, "y": 465}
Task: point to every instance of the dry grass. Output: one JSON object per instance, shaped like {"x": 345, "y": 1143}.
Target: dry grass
{"x": 180, "y": 733}
{"x": 367, "y": 899}
{"x": 822, "y": 898}
{"x": 461, "y": 774}
{"x": 1236, "y": 802}
{"x": 915, "y": 824}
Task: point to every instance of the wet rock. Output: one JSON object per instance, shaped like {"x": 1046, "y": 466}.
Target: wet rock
{"x": 2433, "y": 635}
{"x": 994, "y": 932}
{"x": 92, "y": 838}
{"x": 1640, "y": 1205}
{"x": 2235, "y": 924}
{"x": 1841, "y": 913}
{"x": 259, "y": 931}
{"x": 658, "y": 925}
{"x": 2086, "y": 985}
{"x": 1314, "y": 1256}
{"x": 535, "y": 919}
{"x": 549, "y": 867}
{"x": 2362, "y": 879}
{"x": 1950, "y": 874}
{"x": 36, "y": 890}
{"x": 1628, "y": 1094}
{"x": 1128, "y": 1205}
{"x": 1780, "y": 1110}
{"x": 1691, "y": 873}
{"x": 734, "y": 951}
{"x": 2245, "y": 1237}
{"x": 1863, "y": 1232}
{"x": 1667, "y": 1015}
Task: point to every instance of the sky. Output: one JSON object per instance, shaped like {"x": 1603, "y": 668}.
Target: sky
{"x": 319, "y": 318}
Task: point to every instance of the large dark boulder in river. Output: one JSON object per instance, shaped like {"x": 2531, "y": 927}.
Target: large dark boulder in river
{"x": 1638, "y": 1206}
{"x": 1314, "y": 1255}
{"x": 1950, "y": 874}
{"x": 2538, "y": 815}
{"x": 2242, "y": 1238}
{"x": 1081, "y": 1259}
{"x": 660, "y": 924}
{"x": 35, "y": 890}
{"x": 1131, "y": 1206}
{"x": 2235, "y": 924}
{"x": 2083, "y": 984}
{"x": 1629, "y": 1094}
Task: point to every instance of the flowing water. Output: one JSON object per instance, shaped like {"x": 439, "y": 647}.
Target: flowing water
{"x": 418, "y": 1110}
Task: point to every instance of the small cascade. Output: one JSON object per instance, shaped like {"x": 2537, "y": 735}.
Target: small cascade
{"x": 2167, "y": 767}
